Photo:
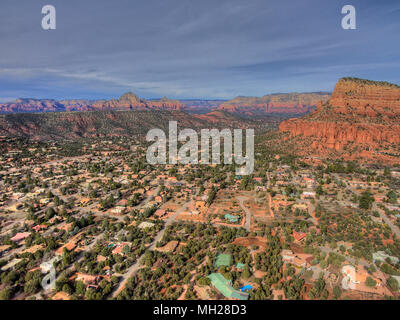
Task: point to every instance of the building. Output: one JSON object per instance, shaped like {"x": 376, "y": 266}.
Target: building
{"x": 225, "y": 287}
{"x": 11, "y": 264}
{"x": 87, "y": 278}
{"x": 240, "y": 266}
{"x": 231, "y": 218}
{"x": 68, "y": 246}
{"x": 4, "y": 249}
{"x": 160, "y": 213}
{"x": 119, "y": 249}
{"x": 145, "y": 224}
{"x": 308, "y": 195}
{"x": 20, "y": 236}
{"x": 287, "y": 255}
{"x": 298, "y": 236}
{"x": 39, "y": 227}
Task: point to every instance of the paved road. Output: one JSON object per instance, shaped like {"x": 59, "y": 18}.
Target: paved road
{"x": 137, "y": 265}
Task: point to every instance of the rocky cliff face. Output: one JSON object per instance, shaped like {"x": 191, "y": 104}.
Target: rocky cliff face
{"x": 289, "y": 103}
{"x": 127, "y": 101}
{"x": 367, "y": 98}
{"x": 361, "y": 118}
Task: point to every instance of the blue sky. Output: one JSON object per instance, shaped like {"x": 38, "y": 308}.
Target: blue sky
{"x": 193, "y": 49}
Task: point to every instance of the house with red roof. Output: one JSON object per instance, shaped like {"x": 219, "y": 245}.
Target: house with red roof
{"x": 20, "y": 236}
{"x": 298, "y": 236}
{"x": 39, "y": 227}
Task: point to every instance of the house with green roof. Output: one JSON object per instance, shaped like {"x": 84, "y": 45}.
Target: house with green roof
{"x": 224, "y": 286}
{"x": 231, "y": 218}
{"x": 240, "y": 266}
{"x": 222, "y": 260}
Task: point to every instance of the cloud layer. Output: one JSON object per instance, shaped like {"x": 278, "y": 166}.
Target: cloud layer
{"x": 192, "y": 49}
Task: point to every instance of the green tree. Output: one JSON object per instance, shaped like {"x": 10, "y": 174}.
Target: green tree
{"x": 337, "y": 292}
{"x": 80, "y": 288}
{"x": 126, "y": 249}
{"x": 204, "y": 281}
{"x": 246, "y": 272}
{"x": 32, "y": 286}
{"x": 6, "y": 293}
{"x": 370, "y": 282}
{"x": 392, "y": 196}
{"x": 393, "y": 284}
{"x": 366, "y": 200}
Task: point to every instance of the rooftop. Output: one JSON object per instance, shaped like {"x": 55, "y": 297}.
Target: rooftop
{"x": 225, "y": 287}
{"x": 222, "y": 260}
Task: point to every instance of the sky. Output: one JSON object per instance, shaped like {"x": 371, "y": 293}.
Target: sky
{"x": 193, "y": 48}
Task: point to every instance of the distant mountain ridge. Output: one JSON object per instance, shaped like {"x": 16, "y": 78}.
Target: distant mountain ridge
{"x": 200, "y": 106}
{"x": 273, "y": 104}
{"x": 128, "y": 101}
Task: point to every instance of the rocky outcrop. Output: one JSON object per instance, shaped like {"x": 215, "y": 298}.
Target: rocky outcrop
{"x": 362, "y": 117}
{"x": 166, "y": 104}
{"x": 337, "y": 135}
{"x": 366, "y": 98}
{"x": 128, "y": 101}
{"x": 30, "y": 105}
{"x": 290, "y": 103}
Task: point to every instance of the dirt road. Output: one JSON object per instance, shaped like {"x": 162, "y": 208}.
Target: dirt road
{"x": 241, "y": 199}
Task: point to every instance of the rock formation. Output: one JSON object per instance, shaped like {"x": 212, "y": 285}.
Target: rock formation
{"x": 360, "y": 121}
{"x": 289, "y": 103}
{"x": 127, "y": 101}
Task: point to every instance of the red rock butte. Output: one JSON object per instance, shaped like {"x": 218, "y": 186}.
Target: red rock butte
{"x": 361, "y": 120}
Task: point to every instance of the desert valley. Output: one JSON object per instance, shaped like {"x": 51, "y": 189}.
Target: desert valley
{"x": 319, "y": 218}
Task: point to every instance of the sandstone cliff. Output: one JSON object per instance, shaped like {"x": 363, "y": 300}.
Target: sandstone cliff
{"x": 360, "y": 121}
